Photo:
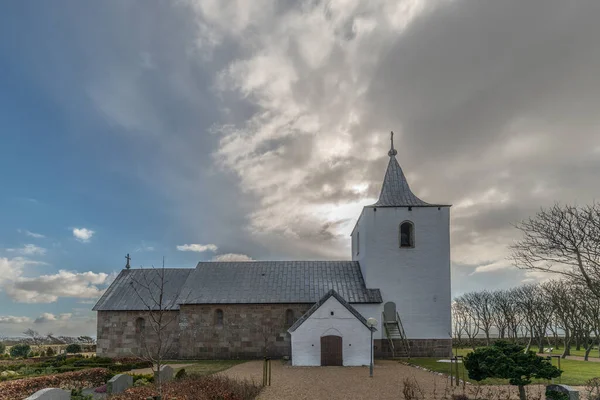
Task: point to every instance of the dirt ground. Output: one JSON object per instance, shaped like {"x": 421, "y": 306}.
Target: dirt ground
{"x": 354, "y": 383}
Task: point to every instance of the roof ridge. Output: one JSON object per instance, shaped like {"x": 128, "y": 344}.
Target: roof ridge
{"x": 322, "y": 300}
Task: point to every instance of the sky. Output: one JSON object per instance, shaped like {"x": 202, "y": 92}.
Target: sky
{"x": 200, "y": 130}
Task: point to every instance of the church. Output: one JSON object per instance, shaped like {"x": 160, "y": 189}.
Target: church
{"x": 314, "y": 312}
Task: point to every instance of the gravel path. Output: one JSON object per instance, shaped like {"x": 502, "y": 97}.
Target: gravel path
{"x": 354, "y": 383}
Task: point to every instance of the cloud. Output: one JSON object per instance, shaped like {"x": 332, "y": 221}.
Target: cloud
{"x": 48, "y": 317}
{"x": 48, "y": 288}
{"x": 144, "y": 247}
{"x": 9, "y": 319}
{"x": 82, "y": 234}
{"x": 200, "y": 248}
{"x": 232, "y": 257}
{"x": 31, "y": 234}
{"x": 11, "y": 268}
{"x": 29, "y": 250}
{"x": 494, "y": 104}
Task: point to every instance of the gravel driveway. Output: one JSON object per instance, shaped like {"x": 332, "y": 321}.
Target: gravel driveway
{"x": 354, "y": 383}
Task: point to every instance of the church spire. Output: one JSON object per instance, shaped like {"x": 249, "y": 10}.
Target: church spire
{"x": 395, "y": 191}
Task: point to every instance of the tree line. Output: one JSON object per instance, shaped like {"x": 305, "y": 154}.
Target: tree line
{"x": 539, "y": 313}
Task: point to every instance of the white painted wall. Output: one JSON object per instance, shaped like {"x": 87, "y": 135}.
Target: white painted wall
{"x": 416, "y": 279}
{"x": 356, "y": 337}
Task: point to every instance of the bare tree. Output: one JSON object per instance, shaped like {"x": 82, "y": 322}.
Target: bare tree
{"x": 480, "y": 306}
{"x": 157, "y": 338}
{"x": 561, "y": 294}
{"x": 34, "y": 337}
{"x": 468, "y": 319}
{"x": 537, "y": 309}
{"x": 589, "y": 307}
{"x": 458, "y": 321}
{"x": 563, "y": 240}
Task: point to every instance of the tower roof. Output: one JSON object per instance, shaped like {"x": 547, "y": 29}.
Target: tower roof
{"x": 395, "y": 191}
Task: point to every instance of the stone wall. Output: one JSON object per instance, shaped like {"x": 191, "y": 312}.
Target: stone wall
{"x": 119, "y": 333}
{"x": 247, "y": 331}
{"x": 418, "y": 348}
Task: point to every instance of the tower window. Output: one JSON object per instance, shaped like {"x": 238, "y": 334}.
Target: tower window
{"x": 407, "y": 234}
{"x": 357, "y": 243}
{"x": 219, "y": 318}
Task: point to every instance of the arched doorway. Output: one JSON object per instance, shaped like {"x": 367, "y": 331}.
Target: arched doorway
{"x": 331, "y": 351}
{"x": 389, "y": 312}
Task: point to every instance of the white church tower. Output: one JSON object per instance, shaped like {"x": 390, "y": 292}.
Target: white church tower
{"x": 403, "y": 246}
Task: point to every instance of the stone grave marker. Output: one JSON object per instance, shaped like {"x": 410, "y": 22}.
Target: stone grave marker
{"x": 119, "y": 383}
{"x": 166, "y": 373}
{"x": 573, "y": 394}
{"x": 50, "y": 394}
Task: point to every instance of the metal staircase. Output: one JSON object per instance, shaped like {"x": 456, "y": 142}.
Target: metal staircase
{"x": 394, "y": 333}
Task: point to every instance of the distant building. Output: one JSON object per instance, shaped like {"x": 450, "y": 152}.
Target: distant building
{"x": 399, "y": 274}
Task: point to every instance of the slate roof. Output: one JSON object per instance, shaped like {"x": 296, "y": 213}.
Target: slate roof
{"x": 127, "y": 292}
{"x": 253, "y": 282}
{"x": 395, "y": 191}
{"x": 275, "y": 282}
{"x": 322, "y": 301}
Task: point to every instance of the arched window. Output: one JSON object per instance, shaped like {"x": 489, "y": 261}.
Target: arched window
{"x": 140, "y": 325}
{"x": 289, "y": 318}
{"x": 357, "y": 243}
{"x": 219, "y": 317}
{"x": 407, "y": 234}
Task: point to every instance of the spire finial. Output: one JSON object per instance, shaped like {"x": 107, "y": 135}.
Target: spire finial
{"x": 128, "y": 259}
{"x": 392, "y": 151}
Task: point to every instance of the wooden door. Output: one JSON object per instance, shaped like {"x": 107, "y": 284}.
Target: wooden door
{"x": 331, "y": 350}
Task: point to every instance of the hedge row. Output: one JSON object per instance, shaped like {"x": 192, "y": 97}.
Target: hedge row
{"x": 19, "y": 389}
{"x": 195, "y": 387}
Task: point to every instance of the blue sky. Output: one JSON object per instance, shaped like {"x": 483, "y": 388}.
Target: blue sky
{"x": 261, "y": 128}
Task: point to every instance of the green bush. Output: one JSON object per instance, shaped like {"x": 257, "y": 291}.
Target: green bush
{"x": 554, "y": 395}
{"x": 50, "y": 352}
{"x": 181, "y": 374}
{"x": 73, "y": 348}
{"x": 2, "y": 348}
{"x": 141, "y": 382}
{"x": 20, "y": 350}
{"x": 509, "y": 361}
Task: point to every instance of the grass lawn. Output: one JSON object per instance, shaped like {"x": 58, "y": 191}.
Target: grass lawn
{"x": 206, "y": 367}
{"x": 575, "y": 373}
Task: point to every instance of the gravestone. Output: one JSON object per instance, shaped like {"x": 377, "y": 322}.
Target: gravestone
{"x": 50, "y": 394}
{"x": 166, "y": 373}
{"x": 573, "y": 394}
{"x": 119, "y": 383}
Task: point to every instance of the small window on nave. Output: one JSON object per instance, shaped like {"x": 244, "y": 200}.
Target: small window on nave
{"x": 289, "y": 318}
{"x": 219, "y": 318}
{"x": 407, "y": 234}
{"x": 140, "y": 325}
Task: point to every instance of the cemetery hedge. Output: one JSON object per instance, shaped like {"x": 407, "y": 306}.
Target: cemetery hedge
{"x": 196, "y": 387}
{"x": 21, "y": 388}
{"x": 61, "y": 364}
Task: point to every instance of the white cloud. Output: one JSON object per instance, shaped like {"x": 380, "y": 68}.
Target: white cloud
{"x": 9, "y": 319}
{"x": 29, "y": 250}
{"x": 48, "y": 288}
{"x": 11, "y": 268}
{"x": 31, "y": 234}
{"x": 49, "y": 317}
{"x": 232, "y": 257}
{"x": 83, "y": 234}
{"x": 200, "y": 248}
